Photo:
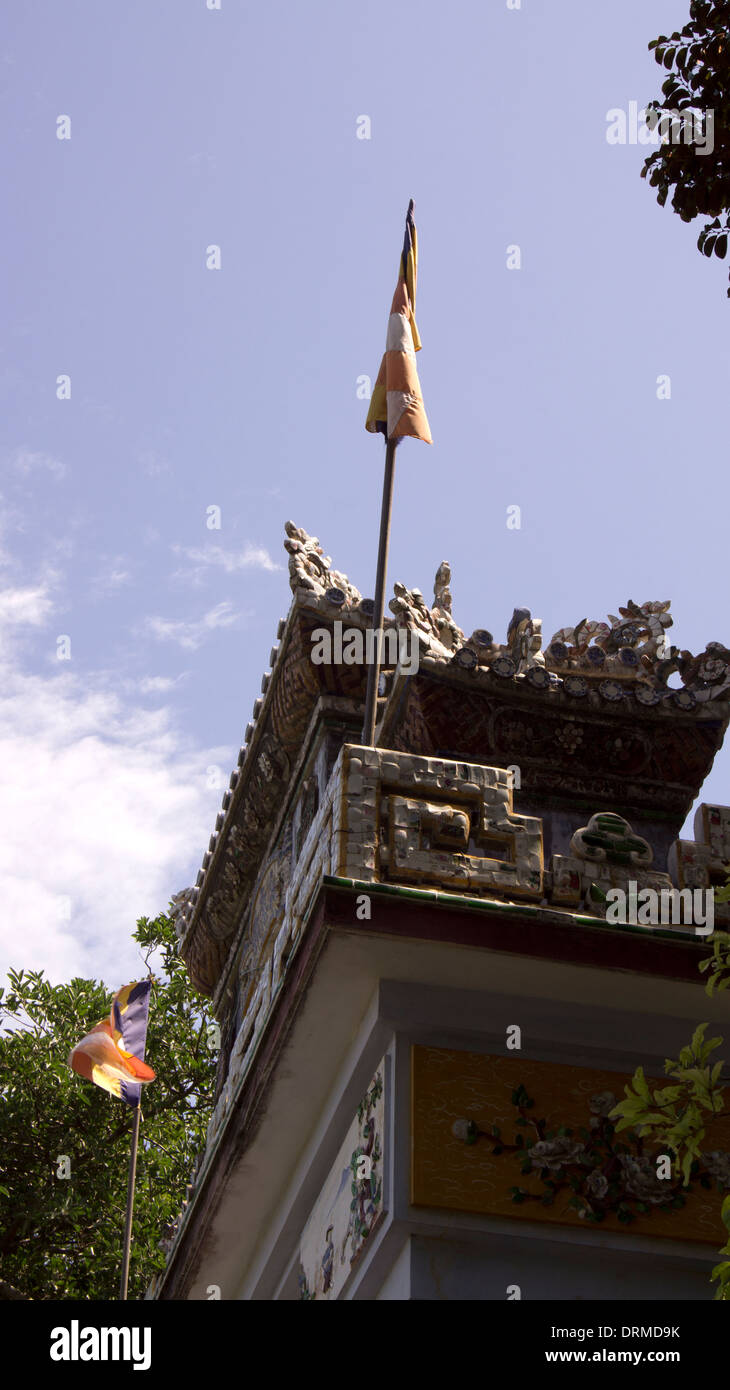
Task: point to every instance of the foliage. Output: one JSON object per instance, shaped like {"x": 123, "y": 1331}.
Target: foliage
{"x": 676, "y": 1117}
{"x": 675, "y": 1112}
{"x": 697, "y": 61}
{"x": 600, "y": 1174}
{"x": 62, "y": 1238}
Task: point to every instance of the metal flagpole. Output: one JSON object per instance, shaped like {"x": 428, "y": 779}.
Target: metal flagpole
{"x": 371, "y": 700}
{"x": 130, "y": 1203}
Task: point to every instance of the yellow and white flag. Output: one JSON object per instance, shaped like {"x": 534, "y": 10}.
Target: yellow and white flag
{"x": 396, "y": 407}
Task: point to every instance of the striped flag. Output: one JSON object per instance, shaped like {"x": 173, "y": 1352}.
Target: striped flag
{"x": 112, "y": 1054}
{"x": 396, "y": 408}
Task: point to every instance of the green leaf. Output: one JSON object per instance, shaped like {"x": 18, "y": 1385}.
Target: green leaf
{"x": 641, "y": 1085}
{"x": 667, "y": 1095}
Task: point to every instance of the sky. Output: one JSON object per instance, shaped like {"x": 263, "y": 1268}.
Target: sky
{"x": 133, "y": 633}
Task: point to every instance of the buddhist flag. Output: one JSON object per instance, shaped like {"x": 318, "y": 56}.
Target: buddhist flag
{"x": 112, "y": 1054}
{"x": 396, "y": 407}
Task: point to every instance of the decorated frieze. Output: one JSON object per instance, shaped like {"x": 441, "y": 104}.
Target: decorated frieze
{"x": 406, "y": 818}
{"x": 605, "y": 854}
{"x": 351, "y": 1203}
{"x": 703, "y": 863}
{"x": 265, "y": 914}
{"x": 569, "y": 753}
{"x": 484, "y": 849}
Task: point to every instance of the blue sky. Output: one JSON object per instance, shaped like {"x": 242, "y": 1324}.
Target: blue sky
{"x": 237, "y": 387}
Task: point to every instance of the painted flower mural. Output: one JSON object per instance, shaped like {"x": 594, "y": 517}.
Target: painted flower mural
{"x": 594, "y": 1171}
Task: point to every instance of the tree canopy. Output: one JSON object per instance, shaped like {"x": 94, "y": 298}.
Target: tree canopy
{"x": 697, "y": 61}
{"x": 61, "y": 1237}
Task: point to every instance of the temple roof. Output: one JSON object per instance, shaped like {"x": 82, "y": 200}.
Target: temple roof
{"x": 589, "y": 719}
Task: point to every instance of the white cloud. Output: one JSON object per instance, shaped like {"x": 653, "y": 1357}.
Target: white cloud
{"x": 111, "y": 577}
{"x": 105, "y": 806}
{"x": 25, "y": 461}
{"x": 25, "y": 607}
{"x": 191, "y": 635}
{"x": 157, "y": 685}
{"x": 252, "y": 557}
{"x": 7, "y": 517}
{"x": 103, "y": 811}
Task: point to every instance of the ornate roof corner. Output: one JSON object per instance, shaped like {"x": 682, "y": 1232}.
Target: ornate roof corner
{"x": 627, "y": 653}
{"x": 634, "y": 648}
{"x": 311, "y": 570}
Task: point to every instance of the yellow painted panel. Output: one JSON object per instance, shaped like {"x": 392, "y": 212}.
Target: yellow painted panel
{"x": 451, "y": 1085}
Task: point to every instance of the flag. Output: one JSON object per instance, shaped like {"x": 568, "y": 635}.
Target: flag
{"x": 112, "y": 1054}
{"x": 396, "y": 406}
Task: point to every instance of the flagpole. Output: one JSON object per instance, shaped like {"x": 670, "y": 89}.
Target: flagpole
{"x": 371, "y": 700}
{"x": 130, "y": 1202}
